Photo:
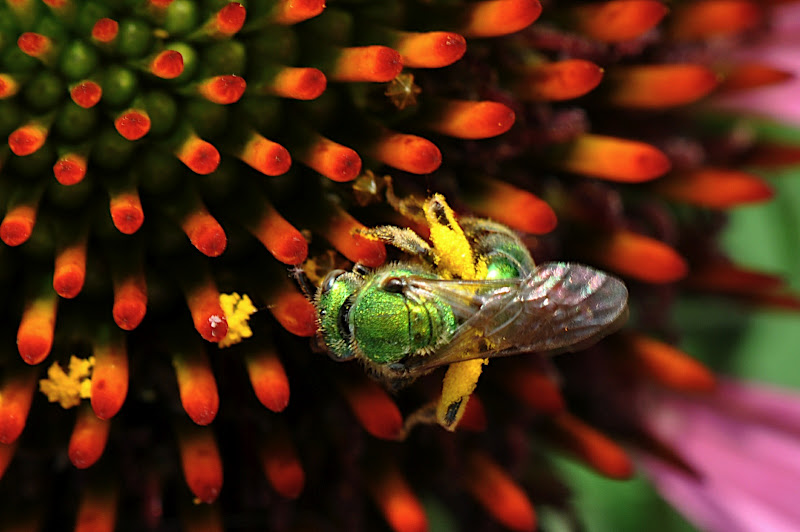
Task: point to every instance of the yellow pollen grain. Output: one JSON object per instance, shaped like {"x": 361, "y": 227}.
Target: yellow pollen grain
{"x": 238, "y": 310}
{"x": 68, "y": 388}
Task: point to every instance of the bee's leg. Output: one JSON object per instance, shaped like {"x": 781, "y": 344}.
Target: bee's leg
{"x": 424, "y": 415}
{"x": 476, "y": 227}
{"x": 302, "y": 280}
{"x": 459, "y": 383}
{"x": 402, "y": 238}
{"x": 410, "y": 207}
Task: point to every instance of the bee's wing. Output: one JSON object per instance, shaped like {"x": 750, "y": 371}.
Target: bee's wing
{"x": 558, "y": 307}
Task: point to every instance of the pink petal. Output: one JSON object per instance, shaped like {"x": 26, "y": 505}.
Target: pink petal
{"x": 745, "y": 444}
{"x": 781, "y": 49}
{"x": 690, "y": 497}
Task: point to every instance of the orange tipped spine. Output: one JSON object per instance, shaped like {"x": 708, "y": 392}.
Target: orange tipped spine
{"x": 97, "y": 510}
{"x": 37, "y": 327}
{"x": 746, "y": 76}
{"x": 266, "y": 156}
{"x": 396, "y": 500}
{"x": 86, "y": 93}
{"x": 282, "y": 239}
{"x": 110, "y": 376}
{"x": 200, "y": 461}
{"x": 639, "y": 257}
{"x": 199, "y": 155}
{"x": 374, "y": 409}
{"x": 293, "y": 310}
{"x": 196, "y": 384}
{"x": 659, "y": 86}
{"x": 167, "y": 64}
{"x": 614, "y": 159}
{"x": 715, "y": 188}
{"x": 88, "y": 439}
{"x": 366, "y": 63}
{"x": 560, "y": 80}
{"x": 133, "y": 124}
{"x": 334, "y": 161}
{"x": 493, "y": 18}
{"x": 713, "y": 18}
{"x": 339, "y": 229}
{"x": 535, "y": 389}
{"x": 36, "y": 45}
{"x": 268, "y": 379}
{"x": 223, "y": 90}
{"x": 28, "y": 139}
{"x": 105, "y": 30}
{"x": 202, "y": 298}
{"x": 70, "y": 168}
{"x": 434, "y": 49}
{"x": 618, "y": 20}
{"x": 514, "y": 207}
{"x": 298, "y": 83}
{"x": 290, "y": 12}
{"x": 126, "y": 210}
{"x": 227, "y": 21}
{"x": 18, "y": 223}
{"x": 281, "y": 464}
{"x": 16, "y": 395}
{"x": 590, "y": 446}
{"x": 130, "y": 299}
{"x": 666, "y": 364}
{"x": 498, "y": 493}
{"x": 70, "y": 269}
{"x": 409, "y": 153}
{"x": 9, "y": 86}
{"x": 472, "y": 120}
{"x": 204, "y": 232}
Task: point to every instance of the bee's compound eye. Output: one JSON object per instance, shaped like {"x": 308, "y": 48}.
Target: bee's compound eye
{"x": 330, "y": 279}
{"x": 393, "y": 285}
{"x": 343, "y": 322}
{"x": 360, "y": 269}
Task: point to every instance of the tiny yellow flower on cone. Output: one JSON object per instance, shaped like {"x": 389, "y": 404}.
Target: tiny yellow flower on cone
{"x": 238, "y": 310}
{"x": 68, "y": 388}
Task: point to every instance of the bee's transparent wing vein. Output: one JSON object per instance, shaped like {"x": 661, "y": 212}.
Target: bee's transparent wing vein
{"x": 556, "y": 307}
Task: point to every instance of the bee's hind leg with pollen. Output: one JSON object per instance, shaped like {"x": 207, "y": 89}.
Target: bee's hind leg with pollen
{"x": 457, "y": 387}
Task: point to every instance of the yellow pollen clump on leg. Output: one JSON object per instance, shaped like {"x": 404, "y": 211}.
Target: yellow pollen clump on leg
{"x": 454, "y": 257}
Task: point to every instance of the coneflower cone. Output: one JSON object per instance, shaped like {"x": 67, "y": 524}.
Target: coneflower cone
{"x": 159, "y": 153}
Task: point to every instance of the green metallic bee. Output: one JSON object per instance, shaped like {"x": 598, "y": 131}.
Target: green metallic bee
{"x": 475, "y": 294}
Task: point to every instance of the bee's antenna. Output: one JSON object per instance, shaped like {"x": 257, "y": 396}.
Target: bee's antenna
{"x": 302, "y": 280}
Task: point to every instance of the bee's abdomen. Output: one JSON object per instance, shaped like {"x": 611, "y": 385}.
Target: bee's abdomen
{"x": 506, "y": 256}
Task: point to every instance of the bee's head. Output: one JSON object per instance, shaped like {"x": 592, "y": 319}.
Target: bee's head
{"x": 333, "y": 301}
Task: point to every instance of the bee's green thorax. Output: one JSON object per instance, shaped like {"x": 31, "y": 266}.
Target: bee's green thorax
{"x": 389, "y": 326}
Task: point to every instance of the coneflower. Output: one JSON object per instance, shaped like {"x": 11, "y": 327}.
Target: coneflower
{"x": 163, "y": 154}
